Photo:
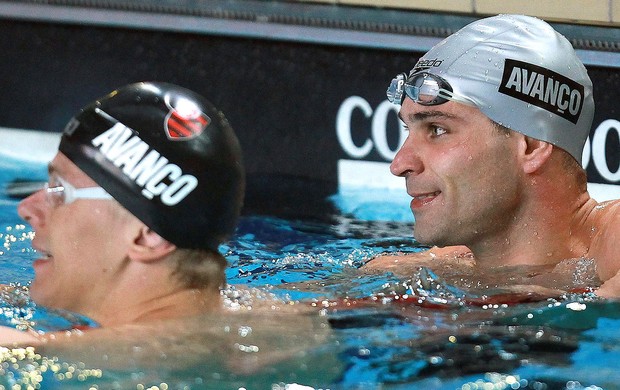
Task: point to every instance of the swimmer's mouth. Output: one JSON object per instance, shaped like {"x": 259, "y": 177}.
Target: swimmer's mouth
{"x": 43, "y": 255}
{"x": 426, "y": 196}
{"x": 421, "y": 200}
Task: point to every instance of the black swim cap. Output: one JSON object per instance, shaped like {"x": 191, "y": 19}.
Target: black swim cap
{"x": 167, "y": 155}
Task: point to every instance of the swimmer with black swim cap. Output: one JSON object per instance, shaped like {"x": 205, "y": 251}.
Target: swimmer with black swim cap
{"x": 167, "y": 155}
{"x": 498, "y": 114}
{"x": 147, "y": 182}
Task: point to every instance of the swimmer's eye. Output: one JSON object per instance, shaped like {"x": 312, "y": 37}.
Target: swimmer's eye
{"x": 55, "y": 191}
{"x": 437, "y": 131}
{"x": 54, "y": 181}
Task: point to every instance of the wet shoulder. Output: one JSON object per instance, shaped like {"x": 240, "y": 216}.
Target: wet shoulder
{"x": 605, "y": 217}
{"x": 604, "y": 248}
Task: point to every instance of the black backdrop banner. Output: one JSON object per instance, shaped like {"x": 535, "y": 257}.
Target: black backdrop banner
{"x": 298, "y": 108}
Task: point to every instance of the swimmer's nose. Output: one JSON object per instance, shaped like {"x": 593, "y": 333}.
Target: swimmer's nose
{"x": 33, "y": 208}
{"x": 407, "y": 160}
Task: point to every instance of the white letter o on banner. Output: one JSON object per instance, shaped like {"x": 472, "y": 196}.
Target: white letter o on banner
{"x": 587, "y": 153}
{"x": 379, "y": 130}
{"x": 343, "y": 126}
{"x": 598, "y": 149}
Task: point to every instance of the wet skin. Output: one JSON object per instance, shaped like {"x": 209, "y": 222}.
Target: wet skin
{"x": 500, "y": 198}
{"x": 83, "y": 244}
{"x": 459, "y": 170}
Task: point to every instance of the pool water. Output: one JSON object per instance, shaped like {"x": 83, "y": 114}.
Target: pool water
{"x": 367, "y": 331}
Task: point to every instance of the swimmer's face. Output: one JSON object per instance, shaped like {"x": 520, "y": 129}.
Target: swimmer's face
{"x": 82, "y": 244}
{"x": 461, "y": 172}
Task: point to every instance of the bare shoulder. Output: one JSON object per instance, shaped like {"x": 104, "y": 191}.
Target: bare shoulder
{"x": 605, "y": 223}
{"x": 609, "y": 209}
{"x": 608, "y": 223}
{"x": 206, "y": 339}
{"x": 405, "y": 264}
{"x": 605, "y": 234}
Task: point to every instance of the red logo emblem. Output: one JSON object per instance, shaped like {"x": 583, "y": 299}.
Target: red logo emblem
{"x": 184, "y": 120}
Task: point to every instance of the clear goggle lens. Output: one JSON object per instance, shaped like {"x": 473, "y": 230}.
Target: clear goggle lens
{"x": 423, "y": 88}
{"x": 58, "y": 192}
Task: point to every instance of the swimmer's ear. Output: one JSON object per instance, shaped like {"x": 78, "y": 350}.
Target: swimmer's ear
{"x": 535, "y": 153}
{"x": 150, "y": 246}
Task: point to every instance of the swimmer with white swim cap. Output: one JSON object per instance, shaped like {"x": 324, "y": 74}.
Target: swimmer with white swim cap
{"x": 498, "y": 114}
{"x": 147, "y": 182}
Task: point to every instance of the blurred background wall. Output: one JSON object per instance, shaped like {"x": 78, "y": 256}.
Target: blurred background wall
{"x": 302, "y": 81}
{"x": 572, "y": 11}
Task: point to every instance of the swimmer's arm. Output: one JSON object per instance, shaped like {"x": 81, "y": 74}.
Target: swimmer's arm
{"x": 407, "y": 263}
{"x": 10, "y": 337}
{"x": 610, "y": 288}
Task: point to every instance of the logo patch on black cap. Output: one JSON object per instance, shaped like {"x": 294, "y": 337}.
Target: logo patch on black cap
{"x": 543, "y": 88}
{"x": 145, "y": 166}
{"x": 185, "y": 119}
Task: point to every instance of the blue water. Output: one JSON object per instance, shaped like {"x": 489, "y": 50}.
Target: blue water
{"x": 376, "y": 342}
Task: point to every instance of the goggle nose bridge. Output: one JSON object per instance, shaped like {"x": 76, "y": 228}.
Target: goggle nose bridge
{"x": 434, "y": 89}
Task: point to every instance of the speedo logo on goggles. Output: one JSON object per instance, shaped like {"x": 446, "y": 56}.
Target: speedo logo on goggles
{"x": 151, "y": 171}
{"x": 424, "y": 88}
{"x": 543, "y": 88}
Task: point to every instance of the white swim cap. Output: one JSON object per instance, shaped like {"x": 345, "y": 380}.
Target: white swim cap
{"x": 522, "y": 74}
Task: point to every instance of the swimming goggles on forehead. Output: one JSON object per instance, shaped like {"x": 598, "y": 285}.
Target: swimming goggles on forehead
{"x": 58, "y": 192}
{"x": 423, "y": 88}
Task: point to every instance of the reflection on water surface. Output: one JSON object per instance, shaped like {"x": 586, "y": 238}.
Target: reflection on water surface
{"x": 299, "y": 310}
